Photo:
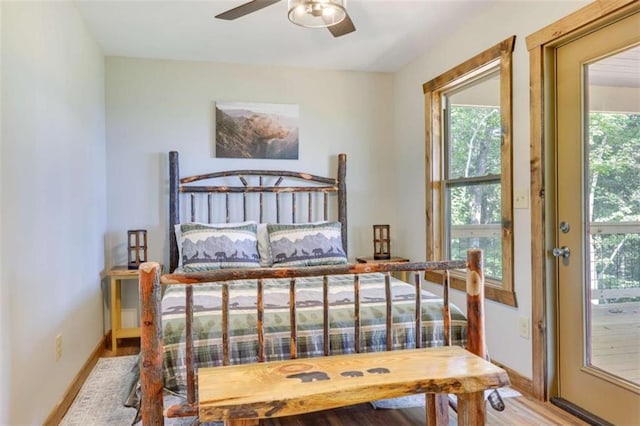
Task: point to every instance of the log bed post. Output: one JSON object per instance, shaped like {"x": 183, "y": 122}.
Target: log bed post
{"x": 174, "y": 208}
{"x": 151, "y": 404}
{"x": 475, "y": 303}
{"x": 471, "y": 407}
{"x": 342, "y": 199}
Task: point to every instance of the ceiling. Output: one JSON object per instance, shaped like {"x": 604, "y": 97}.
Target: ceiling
{"x": 390, "y": 33}
{"x": 621, "y": 69}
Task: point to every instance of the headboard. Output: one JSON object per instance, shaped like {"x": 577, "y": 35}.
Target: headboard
{"x": 254, "y": 195}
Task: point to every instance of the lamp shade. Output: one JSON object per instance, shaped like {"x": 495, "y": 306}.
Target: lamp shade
{"x": 317, "y": 13}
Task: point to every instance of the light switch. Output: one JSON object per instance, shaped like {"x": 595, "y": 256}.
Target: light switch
{"x": 521, "y": 198}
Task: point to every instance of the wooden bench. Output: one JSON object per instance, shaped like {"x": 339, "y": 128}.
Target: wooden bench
{"x": 282, "y": 388}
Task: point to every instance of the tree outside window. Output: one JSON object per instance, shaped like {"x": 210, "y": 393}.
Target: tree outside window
{"x": 614, "y": 206}
{"x": 469, "y": 175}
{"x": 473, "y": 183}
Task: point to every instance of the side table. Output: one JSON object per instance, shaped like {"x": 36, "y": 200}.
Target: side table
{"x": 117, "y": 275}
{"x": 392, "y": 259}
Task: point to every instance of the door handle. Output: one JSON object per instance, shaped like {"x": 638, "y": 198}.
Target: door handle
{"x": 563, "y": 252}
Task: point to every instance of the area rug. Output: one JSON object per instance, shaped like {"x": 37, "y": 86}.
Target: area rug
{"x": 100, "y": 400}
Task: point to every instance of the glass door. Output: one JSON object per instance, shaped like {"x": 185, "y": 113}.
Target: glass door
{"x": 613, "y": 192}
{"x": 598, "y": 250}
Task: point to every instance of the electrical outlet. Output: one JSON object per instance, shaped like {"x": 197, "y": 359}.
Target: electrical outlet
{"x": 58, "y": 347}
{"x": 521, "y": 198}
{"x": 523, "y": 327}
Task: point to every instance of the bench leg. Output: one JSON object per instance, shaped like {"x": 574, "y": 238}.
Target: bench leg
{"x": 471, "y": 408}
{"x": 437, "y": 408}
{"x": 241, "y": 422}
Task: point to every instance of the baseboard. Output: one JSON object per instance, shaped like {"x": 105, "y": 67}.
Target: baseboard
{"x": 61, "y": 407}
{"x": 518, "y": 381}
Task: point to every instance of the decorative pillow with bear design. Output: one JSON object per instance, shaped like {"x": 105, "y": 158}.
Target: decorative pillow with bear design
{"x": 308, "y": 244}
{"x": 207, "y": 247}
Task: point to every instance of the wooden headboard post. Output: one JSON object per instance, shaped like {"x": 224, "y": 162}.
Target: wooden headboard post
{"x": 342, "y": 198}
{"x": 174, "y": 208}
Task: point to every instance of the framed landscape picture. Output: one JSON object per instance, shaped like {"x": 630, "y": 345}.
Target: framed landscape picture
{"x": 256, "y": 130}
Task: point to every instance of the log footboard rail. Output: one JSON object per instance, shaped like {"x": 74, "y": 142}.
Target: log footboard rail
{"x": 444, "y": 370}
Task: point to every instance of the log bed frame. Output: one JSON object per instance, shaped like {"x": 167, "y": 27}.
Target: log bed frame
{"x": 151, "y": 280}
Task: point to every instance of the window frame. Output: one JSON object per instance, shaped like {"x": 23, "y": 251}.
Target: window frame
{"x": 475, "y": 68}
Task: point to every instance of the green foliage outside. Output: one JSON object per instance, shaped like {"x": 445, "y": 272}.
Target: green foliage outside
{"x": 474, "y": 151}
{"x": 614, "y": 188}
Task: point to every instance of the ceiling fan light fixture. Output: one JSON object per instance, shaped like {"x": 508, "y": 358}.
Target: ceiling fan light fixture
{"x": 317, "y": 13}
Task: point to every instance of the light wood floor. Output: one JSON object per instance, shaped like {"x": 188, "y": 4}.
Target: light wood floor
{"x": 520, "y": 411}
{"x": 616, "y": 339}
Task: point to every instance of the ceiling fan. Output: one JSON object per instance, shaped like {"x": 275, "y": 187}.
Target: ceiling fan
{"x": 330, "y": 14}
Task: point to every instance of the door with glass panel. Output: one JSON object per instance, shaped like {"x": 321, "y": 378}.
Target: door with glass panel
{"x": 598, "y": 219}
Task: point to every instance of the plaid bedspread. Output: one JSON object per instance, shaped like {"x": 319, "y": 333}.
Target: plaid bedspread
{"x": 309, "y": 316}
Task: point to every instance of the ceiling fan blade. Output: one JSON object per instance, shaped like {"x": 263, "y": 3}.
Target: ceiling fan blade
{"x": 343, "y": 27}
{"x": 245, "y": 9}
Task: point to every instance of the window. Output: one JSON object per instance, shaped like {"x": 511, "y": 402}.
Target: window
{"x": 469, "y": 175}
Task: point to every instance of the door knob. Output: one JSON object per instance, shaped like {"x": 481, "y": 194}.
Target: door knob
{"x": 563, "y": 252}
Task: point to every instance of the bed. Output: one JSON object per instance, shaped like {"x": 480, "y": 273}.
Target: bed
{"x": 259, "y": 271}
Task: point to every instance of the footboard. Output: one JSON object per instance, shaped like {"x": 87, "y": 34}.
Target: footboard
{"x": 151, "y": 321}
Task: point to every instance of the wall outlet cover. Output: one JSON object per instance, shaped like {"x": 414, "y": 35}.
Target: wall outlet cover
{"x": 524, "y": 328}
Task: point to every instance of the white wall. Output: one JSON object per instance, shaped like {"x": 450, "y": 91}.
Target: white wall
{"x": 5, "y": 366}
{"x": 53, "y": 203}
{"x": 466, "y": 40}
{"x": 155, "y": 106}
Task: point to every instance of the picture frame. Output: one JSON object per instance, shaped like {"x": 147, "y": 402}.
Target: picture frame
{"x": 256, "y": 130}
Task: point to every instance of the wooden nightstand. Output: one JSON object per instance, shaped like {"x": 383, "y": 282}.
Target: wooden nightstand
{"x": 393, "y": 259}
{"x": 117, "y": 275}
